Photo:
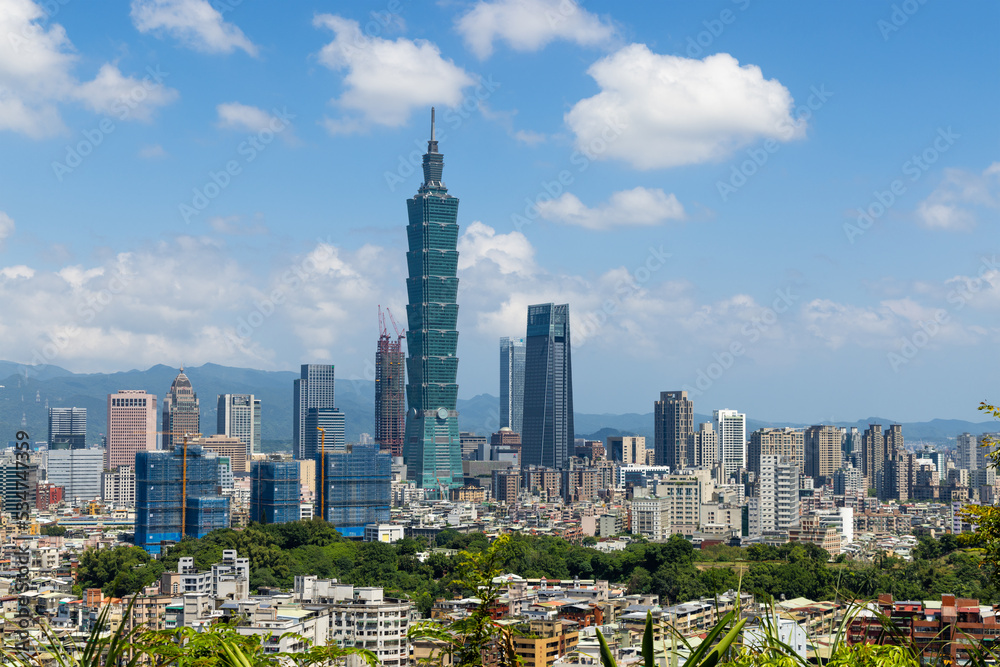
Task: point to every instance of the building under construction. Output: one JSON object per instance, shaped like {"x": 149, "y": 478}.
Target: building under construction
{"x": 177, "y": 494}
{"x": 274, "y": 492}
{"x": 390, "y": 393}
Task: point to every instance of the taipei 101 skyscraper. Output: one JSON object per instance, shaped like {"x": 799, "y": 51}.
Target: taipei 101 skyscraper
{"x": 431, "y": 448}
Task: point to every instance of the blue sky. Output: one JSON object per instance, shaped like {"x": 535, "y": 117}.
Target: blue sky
{"x": 187, "y": 181}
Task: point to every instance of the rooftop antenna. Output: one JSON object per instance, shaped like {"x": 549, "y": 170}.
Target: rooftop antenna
{"x": 432, "y": 145}
{"x": 432, "y": 123}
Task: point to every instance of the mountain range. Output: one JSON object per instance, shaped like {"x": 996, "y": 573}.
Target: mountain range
{"x": 27, "y": 392}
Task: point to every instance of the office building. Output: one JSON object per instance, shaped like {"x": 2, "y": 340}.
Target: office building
{"x": 432, "y": 451}
{"x": 274, "y": 492}
{"x": 175, "y": 497}
{"x": 390, "y": 389}
{"x": 731, "y": 427}
{"x": 324, "y": 429}
{"x": 627, "y": 450}
{"x": 314, "y": 388}
{"x": 239, "y": 417}
{"x": 19, "y": 484}
{"x": 181, "y": 414}
{"x": 548, "y": 438}
{"x": 966, "y": 448}
{"x": 651, "y": 517}
{"x": 355, "y": 488}
{"x": 579, "y": 485}
{"x": 472, "y": 444}
{"x": 673, "y": 417}
{"x": 512, "y": 383}
{"x": 775, "y": 442}
{"x": 67, "y": 426}
{"x": 703, "y": 446}
{"x": 226, "y": 446}
{"x": 132, "y": 418}
{"x": 78, "y": 471}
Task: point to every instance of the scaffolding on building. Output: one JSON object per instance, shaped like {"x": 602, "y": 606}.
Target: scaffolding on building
{"x": 274, "y": 493}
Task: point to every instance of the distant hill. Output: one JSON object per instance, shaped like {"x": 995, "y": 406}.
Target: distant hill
{"x": 26, "y": 390}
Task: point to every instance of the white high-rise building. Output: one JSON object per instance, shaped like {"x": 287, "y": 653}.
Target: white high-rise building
{"x": 239, "y": 417}
{"x": 731, "y": 427}
{"x": 778, "y": 502}
{"x": 78, "y": 471}
{"x": 118, "y": 487}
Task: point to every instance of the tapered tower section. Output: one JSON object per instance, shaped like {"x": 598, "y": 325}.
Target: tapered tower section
{"x": 431, "y": 449}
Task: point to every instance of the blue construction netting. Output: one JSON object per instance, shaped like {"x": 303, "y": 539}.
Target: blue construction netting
{"x": 274, "y": 491}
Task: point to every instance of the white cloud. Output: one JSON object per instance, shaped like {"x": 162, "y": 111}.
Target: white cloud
{"x": 386, "y": 80}
{"x": 36, "y": 76}
{"x": 6, "y": 227}
{"x": 234, "y": 115}
{"x": 529, "y": 25}
{"x": 511, "y": 253}
{"x": 19, "y": 271}
{"x": 638, "y": 207}
{"x": 195, "y": 23}
{"x": 505, "y": 119}
{"x": 657, "y": 111}
{"x": 124, "y": 97}
{"x": 953, "y": 205}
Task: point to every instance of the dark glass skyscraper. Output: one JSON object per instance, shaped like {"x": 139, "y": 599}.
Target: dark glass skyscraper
{"x": 512, "y": 383}
{"x": 548, "y": 434}
{"x": 67, "y": 428}
{"x": 431, "y": 448}
{"x": 313, "y": 389}
{"x": 673, "y": 418}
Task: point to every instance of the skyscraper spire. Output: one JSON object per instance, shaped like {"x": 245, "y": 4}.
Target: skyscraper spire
{"x": 432, "y": 145}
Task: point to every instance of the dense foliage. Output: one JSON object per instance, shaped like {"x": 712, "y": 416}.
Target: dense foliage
{"x": 674, "y": 569}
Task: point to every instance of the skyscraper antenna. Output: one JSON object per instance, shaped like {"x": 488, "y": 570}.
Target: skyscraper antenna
{"x": 432, "y": 123}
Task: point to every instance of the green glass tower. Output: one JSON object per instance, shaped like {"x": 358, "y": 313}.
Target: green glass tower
{"x": 431, "y": 448}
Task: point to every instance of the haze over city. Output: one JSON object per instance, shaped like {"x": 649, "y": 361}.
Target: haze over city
{"x": 792, "y": 222}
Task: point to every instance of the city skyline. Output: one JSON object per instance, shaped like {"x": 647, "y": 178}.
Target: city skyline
{"x": 831, "y": 200}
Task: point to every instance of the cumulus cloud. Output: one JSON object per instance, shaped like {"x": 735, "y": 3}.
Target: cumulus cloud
{"x": 955, "y": 203}
{"x": 37, "y": 60}
{"x": 638, "y": 207}
{"x": 246, "y": 118}
{"x": 530, "y": 25}
{"x": 194, "y": 23}
{"x": 657, "y": 111}
{"x": 386, "y": 79}
{"x": 125, "y": 97}
{"x": 510, "y": 253}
